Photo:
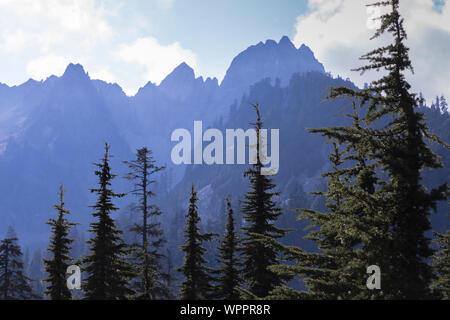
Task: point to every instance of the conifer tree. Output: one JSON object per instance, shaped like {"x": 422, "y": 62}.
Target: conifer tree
{"x": 14, "y": 285}
{"x": 229, "y": 273}
{"x": 147, "y": 254}
{"x": 442, "y": 265}
{"x": 60, "y": 247}
{"x": 197, "y": 284}
{"x": 396, "y": 215}
{"x": 383, "y": 196}
{"x": 444, "y": 105}
{"x": 170, "y": 279}
{"x": 107, "y": 268}
{"x": 337, "y": 272}
{"x": 260, "y": 213}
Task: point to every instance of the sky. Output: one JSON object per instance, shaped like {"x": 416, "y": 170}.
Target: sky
{"x": 131, "y": 42}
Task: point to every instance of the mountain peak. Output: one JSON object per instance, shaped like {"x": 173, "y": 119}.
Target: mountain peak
{"x": 184, "y": 69}
{"x": 270, "y": 60}
{"x": 75, "y": 71}
{"x": 286, "y": 42}
{"x": 183, "y": 73}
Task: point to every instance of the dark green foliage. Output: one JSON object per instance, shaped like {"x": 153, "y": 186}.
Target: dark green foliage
{"x": 378, "y": 210}
{"x": 260, "y": 213}
{"x": 146, "y": 255}
{"x": 60, "y": 247}
{"x": 107, "y": 268}
{"x": 229, "y": 273}
{"x": 14, "y": 285}
{"x": 337, "y": 272}
{"x": 442, "y": 265}
{"x": 396, "y": 215}
{"x": 399, "y": 149}
{"x": 197, "y": 284}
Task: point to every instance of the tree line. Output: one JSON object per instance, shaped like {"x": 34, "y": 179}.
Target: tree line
{"x": 377, "y": 215}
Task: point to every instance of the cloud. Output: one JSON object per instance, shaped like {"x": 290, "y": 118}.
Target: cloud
{"x": 338, "y": 31}
{"x": 46, "y": 66}
{"x": 103, "y": 73}
{"x": 158, "y": 60}
{"x": 56, "y": 21}
{"x": 38, "y": 37}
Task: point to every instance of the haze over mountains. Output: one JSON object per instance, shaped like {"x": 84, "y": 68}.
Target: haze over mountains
{"x": 51, "y": 131}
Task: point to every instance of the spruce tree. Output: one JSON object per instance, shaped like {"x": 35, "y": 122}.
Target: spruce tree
{"x": 60, "y": 247}
{"x": 444, "y": 105}
{"x": 396, "y": 214}
{"x": 14, "y": 285}
{"x": 107, "y": 268}
{"x": 197, "y": 284}
{"x": 150, "y": 283}
{"x": 229, "y": 273}
{"x": 386, "y": 207}
{"x": 260, "y": 214}
{"x": 337, "y": 271}
{"x": 442, "y": 265}
{"x": 400, "y": 150}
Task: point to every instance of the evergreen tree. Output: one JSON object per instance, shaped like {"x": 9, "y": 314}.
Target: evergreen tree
{"x": 170, "y": 279}
{"x": 14, "y": 285}
{"x": 444, "y": 105}
{"x": 197, "y": 284}
{"x": 107, "y": 268}
{"x": 36, "y": 273}
{"x": 337, "y": 272}
{"x": 150, "y": 283}
{"x": 442, "y": 265}
{"x": 229, "y": 278}
{"x": 60, "y": 247}
{"x": 396, "y": 215}
{"x": 437, "y": 104}
{"x": 401, "y": 151}
{"x": 260, "y": 213}
{"x": 384, "y": 207}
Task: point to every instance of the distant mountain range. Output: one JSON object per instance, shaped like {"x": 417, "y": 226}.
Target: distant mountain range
{"x": 52, "y": 131}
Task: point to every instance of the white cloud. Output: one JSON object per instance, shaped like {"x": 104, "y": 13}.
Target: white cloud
{"x": 337, "y": 31}
{"x": 46, "y": 66}
{"x": 15, "y": 42}
{"x": 103, "y": 73}
{"x": 158, "y": 60}
{"x": 38, "y": 36}
{"x": 54, "y": 21}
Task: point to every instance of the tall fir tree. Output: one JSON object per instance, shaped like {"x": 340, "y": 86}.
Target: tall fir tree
{"x": 229, "y": 274}
{"x": 170, "y": 279}
{"x": 107, "y": 267}
{"x": 147, "y": 256}
{"x": 396, "y": 215}
{"x": 14, "y": 284}
{"x": 60, "y": 247}
{"x": 260, "y": 213}
{"x": 336, "y": 272}
{"x": 442, "y": 265}
{"x": 197, "y": 283}
{"x": 400, "y": 150}
{"x": 444, "y": 105}
{"x": 384, "y": 194}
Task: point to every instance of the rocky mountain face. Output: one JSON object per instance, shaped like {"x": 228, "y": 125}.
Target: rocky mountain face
{"x": 52, "y": 131}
